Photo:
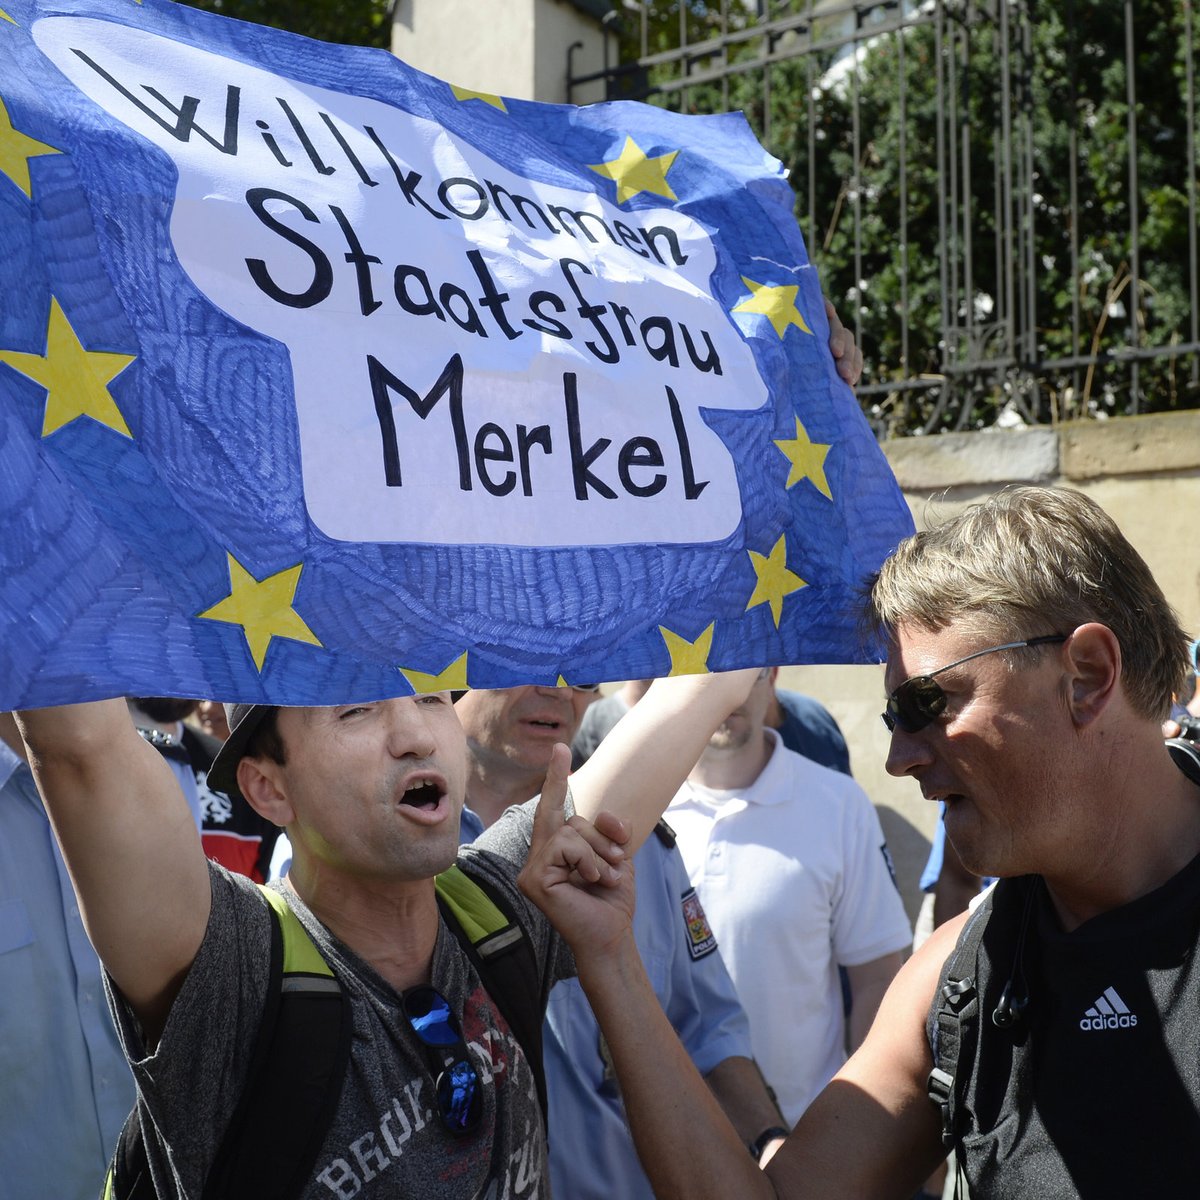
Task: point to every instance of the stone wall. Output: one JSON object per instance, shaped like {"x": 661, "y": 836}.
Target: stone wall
{"x": 518, "y": 48}
{"x": 1145, "y": 471}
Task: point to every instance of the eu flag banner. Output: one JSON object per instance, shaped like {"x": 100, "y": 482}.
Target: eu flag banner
{"x": 323, "y": 379}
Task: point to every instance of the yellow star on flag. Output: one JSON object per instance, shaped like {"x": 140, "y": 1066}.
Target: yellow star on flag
{"x": 16, "y": 149}
{"x": 774, "y": 579}
{"x": 634, "y": 173}
{"x": 263, "y": 608}
{"x": 451, "y": 679}
{"x": 562, "y": 683}
{"x": 688, "y": 658}
{"x": 776, "y": 303}
{"x": 462, "y": 93}
{"x": 808, "y": 460}
{"x": 76, "y": 380}
{"x": 5, "y": 17}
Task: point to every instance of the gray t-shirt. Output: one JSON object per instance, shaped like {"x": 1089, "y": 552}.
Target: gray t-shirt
{"x": 386, "y": 1138}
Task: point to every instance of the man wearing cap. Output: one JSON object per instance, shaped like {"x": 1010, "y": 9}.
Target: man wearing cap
{"x": 370, "y": 795}
{"x": 510, "y": 735}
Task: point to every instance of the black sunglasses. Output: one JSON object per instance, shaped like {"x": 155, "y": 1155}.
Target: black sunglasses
{"x": 920, "y": 700}
{"x": 460, "y": 1101}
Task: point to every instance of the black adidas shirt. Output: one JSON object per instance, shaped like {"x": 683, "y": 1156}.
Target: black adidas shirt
{"x": 1095, "y": 1090}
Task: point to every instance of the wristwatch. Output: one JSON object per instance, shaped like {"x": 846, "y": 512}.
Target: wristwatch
{"x": 767, "y": 1136}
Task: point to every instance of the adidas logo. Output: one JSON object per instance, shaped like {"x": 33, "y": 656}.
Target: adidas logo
{"x": 1109, "y": 1012}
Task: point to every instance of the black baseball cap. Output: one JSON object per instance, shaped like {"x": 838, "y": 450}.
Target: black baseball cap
{"x": 244, "y": 720}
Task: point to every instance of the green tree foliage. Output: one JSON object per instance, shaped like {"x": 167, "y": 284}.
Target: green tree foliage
{"x": 1016, "y": 259}
{"x": 351, "y": 22}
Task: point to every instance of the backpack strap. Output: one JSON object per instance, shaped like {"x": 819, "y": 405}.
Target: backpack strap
{"x": 500, "y": 950}
{"x": 293, "y": 1083}
{"x": 955, "y": 1023}
{"x": 128, "y": 1174}
{"x": 298, "y": 1062}
{"x": 297, "y": 1069}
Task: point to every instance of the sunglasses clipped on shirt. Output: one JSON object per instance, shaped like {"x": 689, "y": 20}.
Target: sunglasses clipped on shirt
{"x": 919, "y": 701}
{"x": 460, "y": 1101}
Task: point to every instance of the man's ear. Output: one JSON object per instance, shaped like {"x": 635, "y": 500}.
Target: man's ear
{"x": 260, "y": 780}
{"x": 1093, "y": 657}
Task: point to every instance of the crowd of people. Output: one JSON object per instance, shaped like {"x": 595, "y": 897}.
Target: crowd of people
{"x": 413, "y": 947}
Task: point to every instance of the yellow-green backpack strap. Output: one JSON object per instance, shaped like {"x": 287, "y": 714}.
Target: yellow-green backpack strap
{"x": 294, "y": 1078}
{"x": 486, "y": 926}
{"x": 295, "y": 1074}
{"x": 503, "y": 956}
{"x": 301, "y": 958}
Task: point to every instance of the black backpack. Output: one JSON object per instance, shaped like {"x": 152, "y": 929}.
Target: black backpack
{"x": 956, "y": 1016}
{"x": 302, "y": 1048}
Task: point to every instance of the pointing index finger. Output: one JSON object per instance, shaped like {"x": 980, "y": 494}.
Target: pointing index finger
{"x": 550, "y": 810}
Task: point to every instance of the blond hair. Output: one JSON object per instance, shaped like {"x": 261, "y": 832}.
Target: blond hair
{"x": 1036, "y": 560}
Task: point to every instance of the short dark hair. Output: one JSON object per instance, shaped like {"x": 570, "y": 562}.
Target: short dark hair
{"x": 266, "y": 741}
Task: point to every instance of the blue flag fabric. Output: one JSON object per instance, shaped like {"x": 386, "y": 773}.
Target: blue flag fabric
{"x": 322, "y": 379}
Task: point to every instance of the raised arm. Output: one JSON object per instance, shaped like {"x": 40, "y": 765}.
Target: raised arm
{"x": 637, "y": 769}
{"x": 872, "y": 1132}
{"x": 130, "y": 844}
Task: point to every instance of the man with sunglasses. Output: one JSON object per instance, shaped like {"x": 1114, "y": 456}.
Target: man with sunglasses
{"x": 511, "y": 734}
{"x": 1051, "y": 1035}
{"x": 437, "y": 1099}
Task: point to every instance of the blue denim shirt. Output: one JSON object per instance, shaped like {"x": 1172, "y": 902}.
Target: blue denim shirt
{"x": 65, "y": 1088}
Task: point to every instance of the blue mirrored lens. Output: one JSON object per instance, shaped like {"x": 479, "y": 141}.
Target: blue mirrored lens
{"x": 457, "y": 1090}
{"x": 431, "y": 1018}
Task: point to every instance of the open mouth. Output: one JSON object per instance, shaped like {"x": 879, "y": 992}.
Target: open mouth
{"x": 425, "y": 794}
{"x": 939, "y": 797}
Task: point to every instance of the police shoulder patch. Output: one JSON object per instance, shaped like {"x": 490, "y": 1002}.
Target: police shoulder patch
{"x": 701, "y": 939}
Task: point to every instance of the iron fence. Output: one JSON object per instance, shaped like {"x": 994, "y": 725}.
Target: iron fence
{"x": 1000, "y": 195}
